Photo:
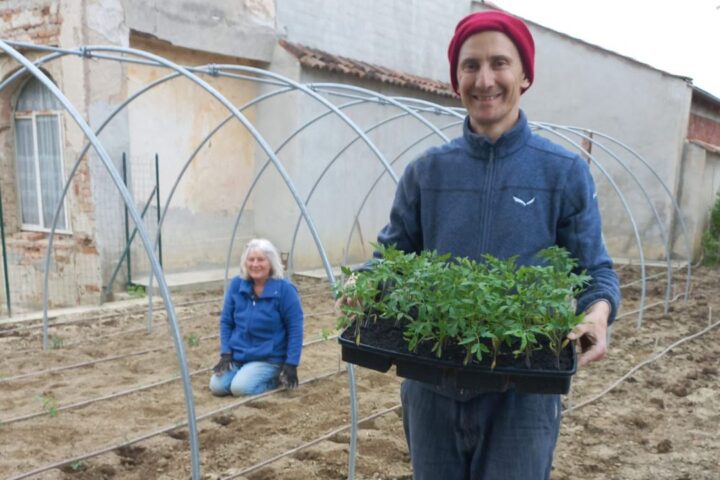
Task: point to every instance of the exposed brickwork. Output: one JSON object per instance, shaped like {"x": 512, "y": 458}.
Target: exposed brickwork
{"x": 36, "y": 21}
{"x": 704, "y": 129}
{"x": 74, "y": 274}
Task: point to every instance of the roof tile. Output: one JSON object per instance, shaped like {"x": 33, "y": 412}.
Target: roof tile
{"x": 321, "y": 60}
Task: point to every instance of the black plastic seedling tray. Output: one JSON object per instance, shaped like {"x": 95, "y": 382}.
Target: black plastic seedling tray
{"x": 438, "y": 371}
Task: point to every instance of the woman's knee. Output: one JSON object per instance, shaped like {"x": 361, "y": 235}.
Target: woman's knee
{"x": 249, "y": 386}
{"x": 218, "y": 387}
{"x": 254, "y": 379}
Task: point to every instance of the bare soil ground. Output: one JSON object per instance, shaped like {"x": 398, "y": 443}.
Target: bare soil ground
{"x": 111, "y": 388}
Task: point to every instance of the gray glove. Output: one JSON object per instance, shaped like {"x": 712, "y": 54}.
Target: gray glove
{"x": 288, "y": 376}
{"x": 225, "y": 364}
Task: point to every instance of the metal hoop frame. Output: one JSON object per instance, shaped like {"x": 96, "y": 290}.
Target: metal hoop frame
{"x": 407, "y": 107}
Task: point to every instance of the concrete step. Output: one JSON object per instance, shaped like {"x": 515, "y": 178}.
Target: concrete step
{"x": 187, "y": 281}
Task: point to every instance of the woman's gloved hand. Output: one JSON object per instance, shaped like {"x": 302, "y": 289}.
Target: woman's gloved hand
{"x": 225, "y": 364}
{"x": 288, "y": 376}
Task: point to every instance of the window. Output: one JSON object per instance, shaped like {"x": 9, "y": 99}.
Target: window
{"x": 39, "y": 157}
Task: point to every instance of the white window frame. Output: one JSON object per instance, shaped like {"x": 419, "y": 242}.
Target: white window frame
{"x": 32, "y": 116}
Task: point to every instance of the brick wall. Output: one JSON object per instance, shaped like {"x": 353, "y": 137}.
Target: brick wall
{"x": 704, "y": 129}
{"x": 74, "y": 273}
{"x": 36, "y": 21}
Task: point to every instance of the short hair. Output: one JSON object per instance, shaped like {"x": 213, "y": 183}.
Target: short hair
{"x": 265, "y": 246}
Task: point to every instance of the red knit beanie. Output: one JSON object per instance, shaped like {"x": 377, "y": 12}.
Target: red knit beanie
{"x": 499, "y": 21}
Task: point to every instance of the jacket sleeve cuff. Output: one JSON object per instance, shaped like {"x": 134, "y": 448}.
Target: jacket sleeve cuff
{"x": 584, "y": 305}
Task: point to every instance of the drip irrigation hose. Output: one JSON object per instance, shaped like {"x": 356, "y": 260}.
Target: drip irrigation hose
{"x": 147, "y": 436}
{"x": 349, "y": 426}
{"x": 310, "y": 443}
{"x": 94, "y": 362}
{"x": 131, "y": 391}
{"x": 642, "y": 364}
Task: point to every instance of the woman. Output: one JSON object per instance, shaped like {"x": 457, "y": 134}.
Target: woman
{"x": 261, "y": 327}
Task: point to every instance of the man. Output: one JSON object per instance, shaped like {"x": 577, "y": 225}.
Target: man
{"x": 502, "y": 190}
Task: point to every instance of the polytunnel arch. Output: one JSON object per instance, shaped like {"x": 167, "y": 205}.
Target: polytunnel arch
{"x": 375, "y": 183}
{"x": 625, "y": 205}
{"x": 404, "y": 104}
{"x": 666, "y": 189}
{"x": 136, "y": 218}
{"x": 663, "y": 231}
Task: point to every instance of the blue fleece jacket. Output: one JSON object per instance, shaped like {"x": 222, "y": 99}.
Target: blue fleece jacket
{"x": 516, "y": 196}
{"x": 267, "y": 328}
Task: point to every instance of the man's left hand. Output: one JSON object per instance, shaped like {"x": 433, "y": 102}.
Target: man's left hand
{"x": 592, "y": 333}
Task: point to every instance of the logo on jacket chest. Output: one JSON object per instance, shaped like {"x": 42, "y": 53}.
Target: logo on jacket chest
{"x": 524, "y": 203}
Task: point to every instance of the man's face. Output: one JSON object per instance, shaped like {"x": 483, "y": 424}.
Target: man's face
{"x": 490, "y": 78}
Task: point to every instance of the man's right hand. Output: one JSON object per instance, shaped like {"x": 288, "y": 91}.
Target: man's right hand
{"x": 225, "y": 364}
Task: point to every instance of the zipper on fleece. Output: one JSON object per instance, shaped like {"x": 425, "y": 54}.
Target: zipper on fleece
{"x": 488, "y": 197}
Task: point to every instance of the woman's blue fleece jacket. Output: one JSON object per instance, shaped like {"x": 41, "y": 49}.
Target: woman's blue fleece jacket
{"x": 516, "y": 196}
{"x": 267, "y": 328}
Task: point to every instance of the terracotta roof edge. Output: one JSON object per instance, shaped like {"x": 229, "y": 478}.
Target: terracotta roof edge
{"x": 321, "y": 60}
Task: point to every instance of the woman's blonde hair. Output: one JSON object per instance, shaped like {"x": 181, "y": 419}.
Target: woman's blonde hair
{"x": 269, "y": 250}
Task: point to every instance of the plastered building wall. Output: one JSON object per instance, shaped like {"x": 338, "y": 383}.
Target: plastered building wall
{"x": 410, "y": 36}
{"x": 576, "y": 84}
{"x": 699, "y": 188}
{"x": 173, "y": 120}
{"x": 206, "y": 201}
{"x": 332, "y": 169}
{"x": 581, "y": 85}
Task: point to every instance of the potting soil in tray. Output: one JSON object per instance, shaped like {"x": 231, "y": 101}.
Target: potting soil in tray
{"x": 382, "y": 345}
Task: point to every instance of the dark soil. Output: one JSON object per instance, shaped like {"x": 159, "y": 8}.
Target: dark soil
{"x": 387, "y": 336}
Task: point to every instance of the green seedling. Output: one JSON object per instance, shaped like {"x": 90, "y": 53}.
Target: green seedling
{"x": 711, "y": 236}
{"x": 482, "y": 306}
{"x": 326, "y": 333}
{"x": 78, "y": 466}
{"x": 192, "y": 340}
{"x": 56, "y": 342}
{"x": 49, "y": 404}
{"x": 136, "y": 291}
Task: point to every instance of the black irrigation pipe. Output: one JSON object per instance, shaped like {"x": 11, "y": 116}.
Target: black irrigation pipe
{"x": 137, "y": 330}
{"x": 82, "y": 364}
{"x": 308, "y": 444}
{"x": 311, "y": 443}
{"x": 566, "y": 411}
{"x": 165, "y": 429}
{"x": 131, "y": 391}
{"x": 129, "y": 311}
{"x": 105, "y": 317}
{"x": 83, "y": 403}
{"x": 101, "y": 337}
{"x": 89, "y": 363}
{"x": 97, "y": 338}
{"x": 108, "y": 316}
{"x": 117, "y": 357}
{"x": 127, "y": 332}
{"x": 645, "y": 362}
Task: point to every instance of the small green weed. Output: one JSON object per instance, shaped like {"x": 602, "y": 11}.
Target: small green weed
{"x": 711, "y": 237}
{"x": 136, "y": 291}
{"x": 326, "y": 333}
{"x": 49, "y": 403}
{"x": 56, "y": 342}
{"x": 192, "y": 340}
